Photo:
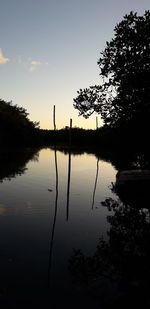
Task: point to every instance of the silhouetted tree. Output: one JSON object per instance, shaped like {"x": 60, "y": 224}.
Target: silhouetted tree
{"x": 123, "y": 97}
{"x": 15, "y": 126}
{"x": 15, "y": 116}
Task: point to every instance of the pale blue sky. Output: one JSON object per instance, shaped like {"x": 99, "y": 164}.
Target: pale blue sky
{"x": 49, "y": 49}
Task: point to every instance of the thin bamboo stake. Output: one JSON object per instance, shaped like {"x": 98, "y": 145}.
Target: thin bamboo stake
{"x": 96, "y": 123}
{"x": 54, "y": 120}
{"x": 70, "y": 129}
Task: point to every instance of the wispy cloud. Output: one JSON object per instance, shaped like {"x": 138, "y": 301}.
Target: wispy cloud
{"x": 34, "y": 65}
{"x": 3, "y": 59}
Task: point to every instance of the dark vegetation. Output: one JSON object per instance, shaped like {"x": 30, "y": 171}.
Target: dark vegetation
{"x": 16, "y": 130}
{"x": 15, "y": 126}
{"x": 123, "y": 97}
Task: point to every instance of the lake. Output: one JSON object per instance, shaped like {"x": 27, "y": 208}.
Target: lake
{"x": 51, "y": 203}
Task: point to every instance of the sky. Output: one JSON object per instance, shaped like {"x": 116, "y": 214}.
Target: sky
{"x": 49, "y": 50}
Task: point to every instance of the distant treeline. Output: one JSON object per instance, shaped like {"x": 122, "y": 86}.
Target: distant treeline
{"x": 104, "y": 138}
{"x": 16, "y": 129}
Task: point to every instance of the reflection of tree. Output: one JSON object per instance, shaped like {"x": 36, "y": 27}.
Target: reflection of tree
{"x": 124, "y": 258}
{"x": 13, "y": 163}
{"x": 123, "y": 159}
{"x": 134, "y": 194}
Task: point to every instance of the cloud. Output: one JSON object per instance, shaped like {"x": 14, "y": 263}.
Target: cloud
{"x": 34, "y": 65}
{"x": 3, "y": 59}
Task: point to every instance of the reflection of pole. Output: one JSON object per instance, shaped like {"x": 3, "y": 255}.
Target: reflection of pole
{"x": 97, "y": 170}
{"x": 68, "y": 185}
{"x": 69, "y": 171}
{"x": 54, "y": 221}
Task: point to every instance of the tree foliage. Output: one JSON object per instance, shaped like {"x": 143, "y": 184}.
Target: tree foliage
{"x": 123, "y": 97}
{"x": 15, "y": 126}
{"x": 13, "y": 116}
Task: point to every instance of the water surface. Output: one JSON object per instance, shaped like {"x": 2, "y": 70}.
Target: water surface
{"x": 48, "y": 207}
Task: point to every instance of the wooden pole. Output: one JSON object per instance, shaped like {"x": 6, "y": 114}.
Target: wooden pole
{"x": 54, "y": 120}
{"x": 96, "y": 123}
{"x": 70, "y": 132}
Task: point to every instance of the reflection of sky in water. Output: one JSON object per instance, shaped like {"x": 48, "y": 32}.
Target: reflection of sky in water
{"x": 27, "y": 205}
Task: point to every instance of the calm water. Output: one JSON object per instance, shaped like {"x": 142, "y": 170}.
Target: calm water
{"x": 50, "y": 204}
{"x": 53, "y": 207}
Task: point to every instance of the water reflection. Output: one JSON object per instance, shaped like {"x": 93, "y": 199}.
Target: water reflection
{"x": 135, "y": 193}
{"x": 127, "y": 160}
{"x": 54, "y": 220}
{"x": 42, "y": 220}
{"x": 13, "y": 162}
{"x": 95, "y": 185}
{"x": 118, "y": 273}
{"x": 68, "y": 185}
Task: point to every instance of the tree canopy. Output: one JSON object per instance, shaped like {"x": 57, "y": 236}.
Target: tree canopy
{"x": 123, "y": 96}
{"x": 15, "y": 126}
{"x": 13, "y": 117}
